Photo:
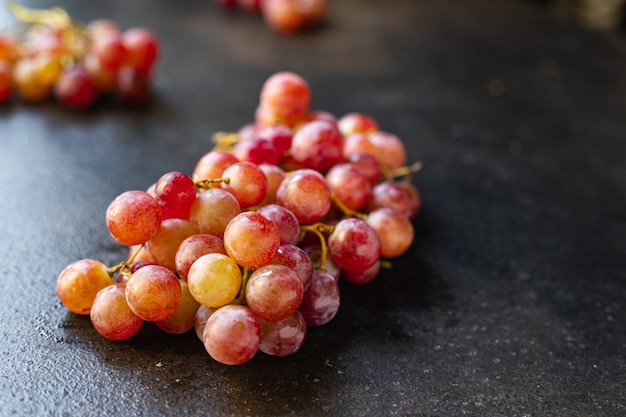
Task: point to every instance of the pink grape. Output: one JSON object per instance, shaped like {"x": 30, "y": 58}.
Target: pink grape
{"x": 297, "y": 259}
{"x": 142, "y": 49}
{"x": 368, "y": 164}
{"x": 356, "y": 122}
{"x": 153, "y": 293}
{"x": 78, "y": 284}
{"x": 213, "y": 210}
{"x": 111, "y": 316}
{"x": 194, "y": 247}
{"x": 232, "y": 335}
{"x": 354, "y": 245}
{"x": 257, "y": 150}
{"x": 287, "y": 97}
{"x": 214, "y": 279}
{"x": 390, "y": 150}
{"x": 184, "y": 317}
{"x": 133, "y": 86}
{"x": 396, "y": 195}
{"x": 164, "y": 245}
{"x": 212, "y": 165}
{"x": 110, "y": 50}
{"x": 133, "y": 217}
{"x": 349, "y": 185}
{"x": 278, "y": 135}
{"x": 317, "y": 145}
{"x": 395, "y": 231}
{"x": 275, "y": 175}
{"x": 285, "y": 221}
{"x": 321, "y": 300}
{"x": 202, "y": 315}
{"x": 247, "y": 182}
{"x": 306, "y": 194}
{"x": 273, "y": 292}
{"x": 251, "y": 239}
{"x": 284, "y": 337}
{"x": 75, "y": 87}
{"x": 361, "y": 277}
{"x": 175, "y": 192}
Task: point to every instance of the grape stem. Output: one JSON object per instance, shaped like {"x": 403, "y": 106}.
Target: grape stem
{"x": 241, "y": 298}
{"x": 206, "y": 184}
{"x": 319, "y": 229}
{"x": 125, "y": 264}
{"x": 347, "y": 211}
{"x": 405, "y": 171}
{"x": 224, "y": 141}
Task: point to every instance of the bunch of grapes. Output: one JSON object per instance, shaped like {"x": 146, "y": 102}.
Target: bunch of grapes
{"x": 284, "y": 16}
{"x": 54, "y": 56}
{"x": 248, "y": 249}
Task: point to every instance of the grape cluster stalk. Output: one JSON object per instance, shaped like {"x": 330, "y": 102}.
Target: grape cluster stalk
{"x": 52, "y": 56}
{"x": 248, "y": 249}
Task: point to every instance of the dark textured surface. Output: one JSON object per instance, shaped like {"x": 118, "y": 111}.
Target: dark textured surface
{"x": 510, "y": 303}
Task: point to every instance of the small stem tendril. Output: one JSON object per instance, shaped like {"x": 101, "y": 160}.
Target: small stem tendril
{"x": 319, "y": 229}
{"x": 347, "y": 211}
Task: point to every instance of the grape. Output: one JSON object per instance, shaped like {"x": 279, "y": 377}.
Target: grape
{"x": 257, "y": 150}
{"x": 246, "y": 132}
{"x": 354, "y": 245}
{"x": 297, "y": 259}
{"x": 111, "y": 316}
{"x": 78, "y": 284}
{"x": 273, "y": 292}
{"x": 213, "y": 210}
{"x": 289, "y": 16}
{"x": 394, "y": 230}
{"x": 142, "y": 49}
{"x": 101, "y": 27}
{"x": 356, "y": 122}
{"x": 251, "y": 239}
{"x": 321, "y": 300}
{"x": 75, "y": 88}
{"x": 349, "y": 185}
{"x": 27, "y": 82}
{"x": 133, "y": 86}
{"x": 184, "y": 317}
{"x": 320, "y": 115}
{"x": 275, "y": 175}
{"x": 153, "y": 293}
{"x": 399, "y": 196}
{"x": 175, "y": 192}
{"x": 232, "y": 335}
{"x": 103, "y": 78}
{"x": 317, "y": 145}
{"x": 284, "y": 337}
{"x": 361, "y": 277}
{"x": 286, "y": 96}
{"x": 110, "y": 50}
{"x": 192, "y": 248}
{"x": 285, "y": 221}
{"x": 389, "y": 149}
{"x": 212, "y": 165}
{"x": 278, "y": 135}
{"x": 202, "y": 315}
{"x": 247, "y": 182}
{"x": 214, "y": 279}
{"x": 6, "y": 82}
{"x": 306, "y": 194}
{"x": 359, "y": 142}
{"x": 164, "y": 245}
{"x": 368, "y": 164}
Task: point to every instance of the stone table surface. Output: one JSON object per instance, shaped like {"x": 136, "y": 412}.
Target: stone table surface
{"x": 511, "y": 301}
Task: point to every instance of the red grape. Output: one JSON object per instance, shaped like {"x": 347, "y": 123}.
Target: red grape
{"x": 76, "y": 88}
{"x": 133, "y": 217}
{"x": 111, "y": 316}
{"x": 321, "y": 300}
{"x": 184, "y": 317}
{"x": 251, "y": 239}
{"x": 317, "y": 145}
{"x": 306, "y": 194}
{"x": 247, "y": 182}
{"x": 285, "y": 221}
{"x": 213, "y": 210}
{"x": 194, "y": 247}
{"x": 232, "y": 335}
{"x": 164, "y": 245}
{"x": 284, "y": 337}
{"x": 394, "y": 230}
{"x": 78, "y": 284}
{"x": 175, "y": 192}
{"x": 273, "y": 292}
{"x": 153, "y": 293}
{"x": 354, "y": 245}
